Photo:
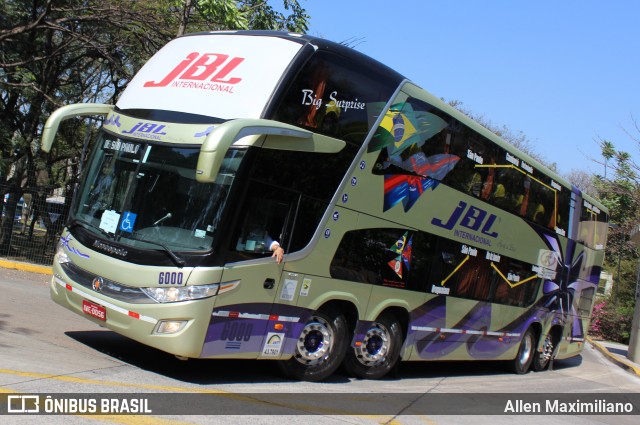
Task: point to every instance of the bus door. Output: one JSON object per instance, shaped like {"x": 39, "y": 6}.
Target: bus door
{"x": 243, "y": 306}
{"x": 242, "y": 309}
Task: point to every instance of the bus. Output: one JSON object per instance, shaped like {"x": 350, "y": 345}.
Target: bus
{"x": 410, "y": 232}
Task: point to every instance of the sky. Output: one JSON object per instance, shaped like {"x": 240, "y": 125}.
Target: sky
{"x": 565, "y": 73}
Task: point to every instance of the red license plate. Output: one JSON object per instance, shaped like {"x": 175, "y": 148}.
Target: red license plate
{"x": 94, "y": 310}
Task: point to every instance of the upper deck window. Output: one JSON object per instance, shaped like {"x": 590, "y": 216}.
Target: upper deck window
{"x": 592, "y": 230}
{"x": 335, "y": 96}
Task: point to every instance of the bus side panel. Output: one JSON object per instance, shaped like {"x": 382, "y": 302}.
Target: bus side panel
{"x": 464, "y": 332}
{"x": 238, "y": 323}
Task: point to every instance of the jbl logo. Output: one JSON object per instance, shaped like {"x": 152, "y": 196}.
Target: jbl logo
{"x": 214, "y": 67}
{"x": 473, "y": 218}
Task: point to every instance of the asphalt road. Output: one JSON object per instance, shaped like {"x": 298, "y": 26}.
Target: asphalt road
{"x": 45, "y": 349}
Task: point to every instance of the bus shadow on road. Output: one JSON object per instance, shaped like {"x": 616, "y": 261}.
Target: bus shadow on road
{"x": 225, "y": 371}
{"x": 441, "y": 369}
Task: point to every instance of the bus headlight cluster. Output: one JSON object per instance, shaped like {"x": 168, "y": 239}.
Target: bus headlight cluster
{"x": 174, "y": 294}
{"x": 61, "y": 257}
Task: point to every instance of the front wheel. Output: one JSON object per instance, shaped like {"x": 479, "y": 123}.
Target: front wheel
{"x": 379, "y": 352}
{"x": 320, "y": 347}
{"x": 522, "y": 362}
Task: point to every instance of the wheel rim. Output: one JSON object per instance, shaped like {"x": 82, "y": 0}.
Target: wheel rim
{"x": 525, "y": 349}
{"x": 375, "y": 346}
{"x": 547, "y": 351}
{"x": 314, "y": 342}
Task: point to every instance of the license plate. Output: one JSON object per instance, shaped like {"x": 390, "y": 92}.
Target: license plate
{"x": 94, "y": 310}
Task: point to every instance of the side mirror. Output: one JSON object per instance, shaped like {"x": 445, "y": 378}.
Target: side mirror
{"x": 66, "y": 112}
{"x": 285, "y": 136}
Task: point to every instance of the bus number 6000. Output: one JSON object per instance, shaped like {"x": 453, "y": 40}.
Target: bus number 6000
{"x": 170, "y": 278}
{"x": 234, "y": 331}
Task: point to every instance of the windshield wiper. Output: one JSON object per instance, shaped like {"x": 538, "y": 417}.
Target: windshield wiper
{"x": 179, "y": 261}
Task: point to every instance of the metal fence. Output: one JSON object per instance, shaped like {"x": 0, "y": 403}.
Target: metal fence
{"x": 32, "y": 220}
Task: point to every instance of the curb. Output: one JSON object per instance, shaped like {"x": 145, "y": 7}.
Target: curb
{"x": 25, "y": 267}
{"x": 625, "y": 364}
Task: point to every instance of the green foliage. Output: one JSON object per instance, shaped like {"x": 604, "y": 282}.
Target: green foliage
{"x": 201, "y": 15}
{"x": 610, "y": 322}
{"x": 619, "y": 190}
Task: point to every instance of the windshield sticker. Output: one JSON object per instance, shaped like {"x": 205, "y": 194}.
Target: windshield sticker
{"x": 199, "y": 233}
{"x": 128, "y": 221}
{"x": 109, "y": 221}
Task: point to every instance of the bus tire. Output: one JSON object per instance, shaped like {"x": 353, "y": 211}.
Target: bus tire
{"x": 379, "y": 352}
{"x": 541, "y": 359}
{"x": 524, "y": 357}
{"x": 320, "y": 348}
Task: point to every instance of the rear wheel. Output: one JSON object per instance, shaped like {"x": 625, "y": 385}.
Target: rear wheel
{"x": 379, "y": 352}
{"x": 522, "y": 362}
{"x": 542, "y": 358}
{"x": 320, "y": 348}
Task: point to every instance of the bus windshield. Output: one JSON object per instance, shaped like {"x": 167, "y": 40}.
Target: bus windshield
{"x": 146, "y": 195}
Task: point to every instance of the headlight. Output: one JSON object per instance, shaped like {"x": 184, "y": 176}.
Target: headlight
{"x": 61, "y": 257}
{"x": 174, "y": 294}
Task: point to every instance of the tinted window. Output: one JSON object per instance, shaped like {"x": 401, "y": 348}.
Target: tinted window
{"x": 467, "y": 272}
{"x": 414, "y": 139}
{"x": 586, "y": 301}
{"x": 418, "y": 140}
{"x": 384, "y": 257}
{"x": 592, "y": 230}
{"x": 335, "y": 96}
{"x": 286, "y": 195}
{"x": 516, "y": 285}
{"x": 417, "y": 261}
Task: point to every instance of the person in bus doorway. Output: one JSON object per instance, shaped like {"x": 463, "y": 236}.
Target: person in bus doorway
{"x": 278, "y": 251}
{"x": 259, "y": 240}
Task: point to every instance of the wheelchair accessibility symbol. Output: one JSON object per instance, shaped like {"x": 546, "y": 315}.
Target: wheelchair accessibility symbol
{"x": 128, "y": 221}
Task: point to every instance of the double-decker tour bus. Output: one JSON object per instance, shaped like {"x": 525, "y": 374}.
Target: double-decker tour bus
{"x": 409, "y": 231}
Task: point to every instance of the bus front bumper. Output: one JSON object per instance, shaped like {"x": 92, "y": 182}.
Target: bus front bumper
{"x": 149, "y": 324}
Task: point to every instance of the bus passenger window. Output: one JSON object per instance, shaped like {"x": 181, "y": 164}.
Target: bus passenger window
{"x": 522, "y": 199}
{"x": 474, "y": 185}
{"x": 476, "y": 278}
{"x": 517, "y": 286}
{"x": 499, "y": 195}
{"x": 586, "y": 302}
{"x": 385, "y": 257}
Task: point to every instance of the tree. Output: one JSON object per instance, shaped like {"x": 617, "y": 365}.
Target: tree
{"x": 619, "y": 190}
{"x": 242, "y": 15}
{"x": 583, "y": 181}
